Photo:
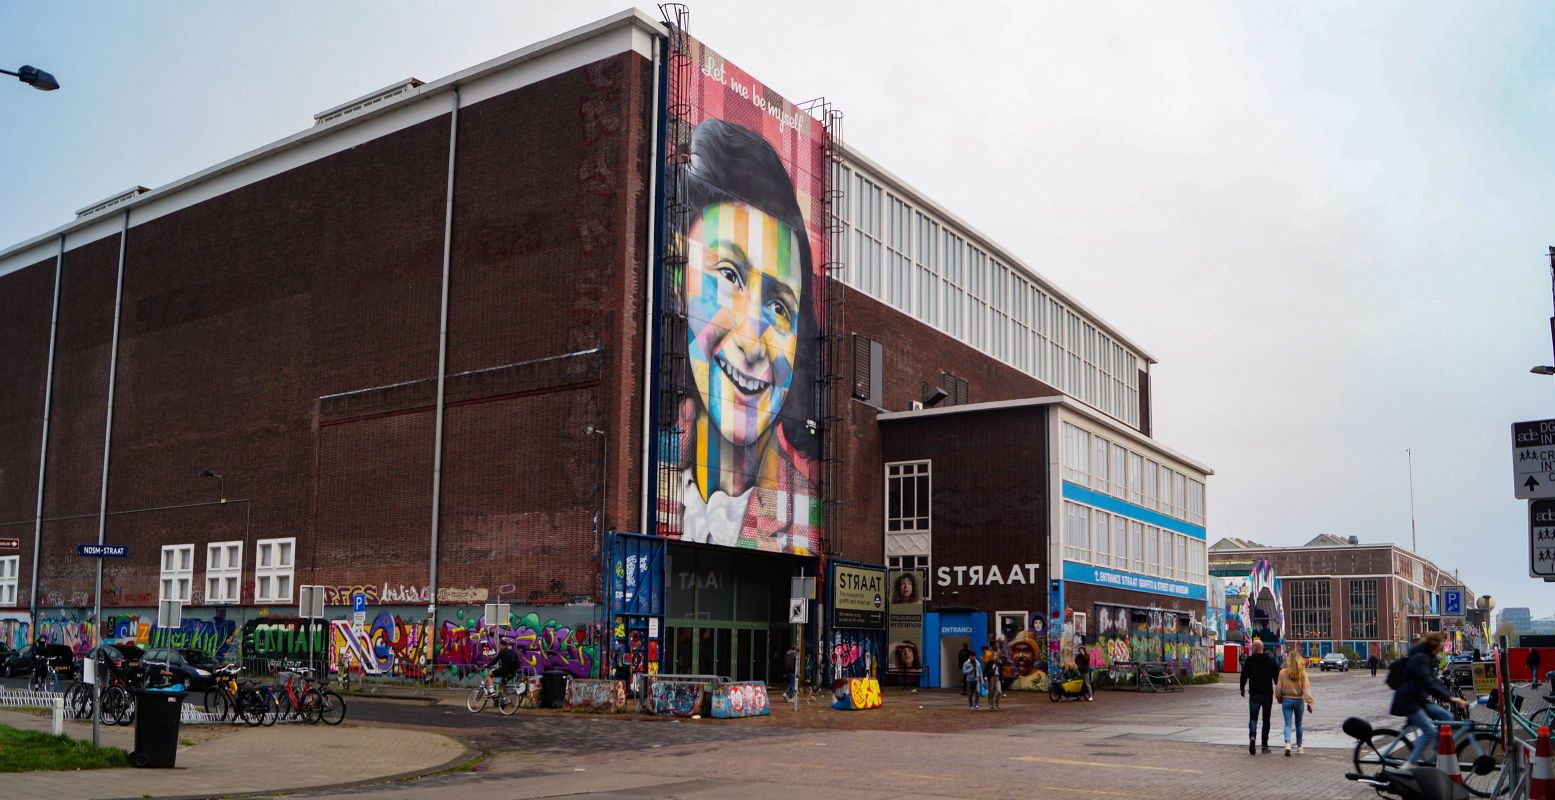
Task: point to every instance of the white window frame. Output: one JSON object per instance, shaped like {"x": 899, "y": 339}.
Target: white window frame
{"x": 1101, "y": 453}
{"x": 269, "y": 572}
{"x": 223, "y": 577}
{"x": 1077, "y": 454}
{"x": 1077, "y": 532}
{"x": 176, "y": 579}
{"x": 1101, "y": 551}
{"x": 10, "y": 578}
{"x": 909, "y": 471}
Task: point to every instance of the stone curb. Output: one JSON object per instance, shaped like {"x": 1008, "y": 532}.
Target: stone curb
{"x": 468, "y": 756}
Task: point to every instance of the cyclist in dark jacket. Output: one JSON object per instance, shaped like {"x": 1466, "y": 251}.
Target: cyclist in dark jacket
{"x": 503, "y": 666}
{"x": 1413, "y": 698}
{"x": 40, "y": 661}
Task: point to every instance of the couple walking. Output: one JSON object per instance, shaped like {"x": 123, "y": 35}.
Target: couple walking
{"x": 1262, "y": 680}
{"x": 981, "y": 677}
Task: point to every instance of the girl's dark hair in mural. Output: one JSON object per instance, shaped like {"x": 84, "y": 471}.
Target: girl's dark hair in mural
{"x": 734, "y": 164}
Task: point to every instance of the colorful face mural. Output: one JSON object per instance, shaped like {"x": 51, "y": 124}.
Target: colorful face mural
{"x": 744, "y": 439}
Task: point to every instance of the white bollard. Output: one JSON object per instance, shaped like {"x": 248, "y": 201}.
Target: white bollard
{"x": 59, "y": 716}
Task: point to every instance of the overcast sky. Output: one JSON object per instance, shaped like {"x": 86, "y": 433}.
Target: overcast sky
{"x": 1328, "y": 221}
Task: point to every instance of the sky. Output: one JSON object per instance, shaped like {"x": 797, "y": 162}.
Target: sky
{"x": 1328, "y": 221}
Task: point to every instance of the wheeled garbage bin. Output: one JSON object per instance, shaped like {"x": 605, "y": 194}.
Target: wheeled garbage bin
{"x": 553, "y": 688}
{"x": 156, "y": 727}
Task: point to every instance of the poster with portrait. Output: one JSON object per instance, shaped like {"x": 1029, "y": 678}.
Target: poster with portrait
{"x": 905, "y": 629}
{"x": 740, "y": 456}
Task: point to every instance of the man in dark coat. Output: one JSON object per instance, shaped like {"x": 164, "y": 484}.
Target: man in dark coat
{"x": 1533, "y": 665}
{"x": 1413, "y": 697}
{"x": 1259, "y": 673}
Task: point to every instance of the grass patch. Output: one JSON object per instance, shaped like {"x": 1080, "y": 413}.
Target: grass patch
{"x": 24, "y": 751}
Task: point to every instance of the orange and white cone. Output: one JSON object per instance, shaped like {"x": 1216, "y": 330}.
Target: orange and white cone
{"x": 1541, "y": 782}
{"x": 1447, "y": 755}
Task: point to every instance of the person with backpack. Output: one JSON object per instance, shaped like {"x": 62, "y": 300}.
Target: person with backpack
{"x": 1259, "y": 672}
{"x": 1414, "y": 684}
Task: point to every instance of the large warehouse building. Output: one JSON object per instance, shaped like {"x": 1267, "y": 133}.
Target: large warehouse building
{"x": 604, "y": 329}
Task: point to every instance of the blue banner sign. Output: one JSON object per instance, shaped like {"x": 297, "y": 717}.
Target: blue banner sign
{"x": 1085, "y": 573}
{"x": 103, "y": 550}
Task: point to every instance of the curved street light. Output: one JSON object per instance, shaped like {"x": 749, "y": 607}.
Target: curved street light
{"x": 40, "y": 80}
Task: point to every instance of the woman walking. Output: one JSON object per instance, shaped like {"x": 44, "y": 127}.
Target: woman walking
{"x": 1294, "y": 691}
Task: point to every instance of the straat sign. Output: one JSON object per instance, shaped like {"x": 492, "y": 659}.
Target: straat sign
{"x": 858, "y": 597}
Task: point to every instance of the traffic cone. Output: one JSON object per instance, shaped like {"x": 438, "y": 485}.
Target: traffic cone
{"x": 1541, "y": 782}
{"x": 1447, "y": 755}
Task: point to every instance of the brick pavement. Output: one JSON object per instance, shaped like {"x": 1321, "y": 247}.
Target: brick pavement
{"x": 232, "y": 760}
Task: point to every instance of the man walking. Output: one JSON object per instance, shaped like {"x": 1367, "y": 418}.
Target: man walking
{"x": 1371, "y": 661}
{"x": 1533, "y": 665}
{"x": 1258, "y": 675}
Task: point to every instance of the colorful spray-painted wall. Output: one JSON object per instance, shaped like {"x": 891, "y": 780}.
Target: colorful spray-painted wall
{"x": 739, "y": 451}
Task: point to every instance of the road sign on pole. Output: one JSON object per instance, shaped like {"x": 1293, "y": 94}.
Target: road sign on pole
{"x": 102, "y": 550}
{"x": 1541, "y": 539}
{"x": 1452, "y": 602}
{"x": 798, "y": 610}
{"x": 1533, "y": 459}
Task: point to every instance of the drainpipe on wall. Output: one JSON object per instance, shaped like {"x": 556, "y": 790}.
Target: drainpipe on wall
{"x": 43, "y": 446}
{"x": 102, "y": 501}
{"x": 442, "y": 372}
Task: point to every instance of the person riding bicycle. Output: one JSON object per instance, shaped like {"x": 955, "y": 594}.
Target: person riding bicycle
{"x": 503, "y": 666}
{"x": 40, "y": 661}
{"x": 1412, "y": 698}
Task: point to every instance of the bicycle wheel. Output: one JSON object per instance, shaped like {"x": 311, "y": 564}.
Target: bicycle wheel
{"x": 1386, "y": 748}
{"x": 78, "y": 701}
{"x": 1480, "y": 759}
{"x": 270, "y": 708}
{"x": 249, "y": 707}
{"x": 476, "y": 700}
{"x": 116, "y": 702}
{"x": 507, "y": 700}
{"x": 309, "y": 706}
{"x": 216, "y": 703}
{"x": 331, "y": 707}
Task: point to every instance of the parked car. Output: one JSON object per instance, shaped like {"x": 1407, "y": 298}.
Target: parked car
{"x": 60, "y": 655}
{"x": 192, "y": 668}
{"x": 1334, "y": 661}
{"x": 122, "y": 661}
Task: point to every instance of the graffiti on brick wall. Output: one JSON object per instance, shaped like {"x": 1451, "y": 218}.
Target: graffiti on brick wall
{"x": 282, "y": 637}
{"x": 70, "y": 629}
{"x": 730, "y": 700}
{"x": 215, "y": 637}
{"x": 539, "y": 645}
{"x": 387, "y": 593}
{"x": 388, "y": 646}
{"x": 673, "y": 699}
{"x": 585, "y": 694}
{"x": 15, "y": 632}
{"x": 858, "y": 694}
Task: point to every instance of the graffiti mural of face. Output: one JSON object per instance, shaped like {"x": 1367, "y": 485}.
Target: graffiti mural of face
{"x": 742, "y": 292}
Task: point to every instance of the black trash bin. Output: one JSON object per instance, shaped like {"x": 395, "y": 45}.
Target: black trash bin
{"x": 553, "y": 688}
{"x": 156, "y": 728}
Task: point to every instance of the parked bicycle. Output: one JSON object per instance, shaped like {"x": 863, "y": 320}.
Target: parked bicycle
{"x": 299, "y": 697}
{"x": 1477, "y": 747}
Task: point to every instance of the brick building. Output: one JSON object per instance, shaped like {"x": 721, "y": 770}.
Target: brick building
{"x": 1340, "y": 594}
{"x": 549, "y": 332}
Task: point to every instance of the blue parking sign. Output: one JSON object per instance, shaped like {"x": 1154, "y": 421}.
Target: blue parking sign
{"x": 1452, "y": 601}
{"x": 358, "y": 602}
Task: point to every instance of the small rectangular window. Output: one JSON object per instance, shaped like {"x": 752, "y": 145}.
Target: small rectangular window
{"x": 10, "y": 571}
{"x": 273, "y": 570}
{"x": 177, "y": 572}
{"x": 223, "y": 572}
{"x": 868, "y": 361}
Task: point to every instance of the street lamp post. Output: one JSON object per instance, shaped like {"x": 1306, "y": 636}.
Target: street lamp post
{"x": 37, "y": 78}
{"x": 221, "y": 483}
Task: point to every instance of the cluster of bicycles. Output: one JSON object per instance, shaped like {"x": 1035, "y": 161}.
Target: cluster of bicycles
{"x": 297, "y": 696}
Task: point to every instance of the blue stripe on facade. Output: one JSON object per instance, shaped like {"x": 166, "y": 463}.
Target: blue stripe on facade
{"x": 1101, "y": 576}
{"x": 1113, "y": 505}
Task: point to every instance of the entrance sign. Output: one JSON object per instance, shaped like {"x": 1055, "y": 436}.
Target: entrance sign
{"x": 858, "y": 597}
{"x": 1453, "y": 601}
{"x": 1541, "y": 538}
{"x": 103, "y": 550}
{"x": 1533, "y": 459}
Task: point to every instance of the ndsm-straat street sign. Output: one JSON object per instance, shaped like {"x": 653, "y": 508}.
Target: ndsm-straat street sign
{"x": 1541, "y": 538}
{"x": 1533, "y": 459}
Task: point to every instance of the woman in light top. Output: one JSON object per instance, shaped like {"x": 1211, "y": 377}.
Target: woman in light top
{"x": 1294, "y": 691}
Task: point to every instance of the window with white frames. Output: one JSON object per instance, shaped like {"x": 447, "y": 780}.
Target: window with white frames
{"x": 1117, "y": 471}
{"x": 1135, "y": 485}
{"x": 1179, "y": 496}
{"x": 1099, "y": 464}
{"x": 1152, "y": 551}
{"x": 1195, "y": 501}
{"x": 955, "y": 284}
{"x": 922, "y": 562}
{"x": 1077, "y": 532}
{"x": 1182, "y": 556}
{"x": 867, "y": 238}
{"x": 1150, "y": 492}
{"x": 10, "y": 570}
{"x": 907, "y": 497}
{"x": 1165, "y": 498}
{"x": 926, "y": 261}
{"x": 1119, "y": 542}
{"x": 274, "y": 561}
{"x": 1077, "y": 451}
{"x": 1102, "y": 541}
{"x": 1136, "y": 546}
{"x": 898, "y": 252}
{"x": 223, "y": 572}
{"x": 177, "y": 572}
{"x": 1168, "y": 568}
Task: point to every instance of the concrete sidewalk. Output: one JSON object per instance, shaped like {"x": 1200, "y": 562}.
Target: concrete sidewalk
{"x": 229, "y": 760}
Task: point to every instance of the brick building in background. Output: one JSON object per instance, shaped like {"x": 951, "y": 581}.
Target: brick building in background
{"x": 1343, "y": 595}
{"x": 263, "y": 358}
